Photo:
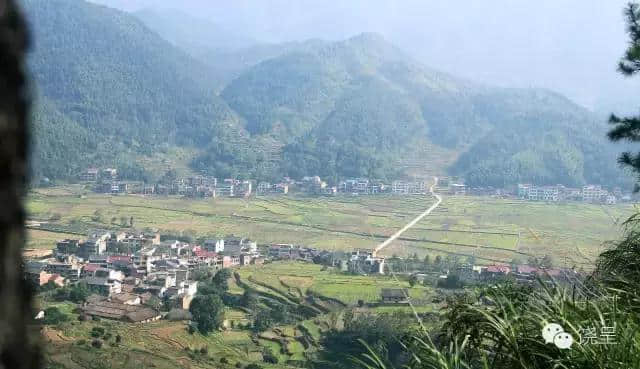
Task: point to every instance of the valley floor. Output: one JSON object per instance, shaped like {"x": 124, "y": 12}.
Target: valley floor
{"x": 490, "y": 229}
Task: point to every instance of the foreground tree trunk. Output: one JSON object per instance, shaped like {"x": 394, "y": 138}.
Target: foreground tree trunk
{"x": 18, "y": 348}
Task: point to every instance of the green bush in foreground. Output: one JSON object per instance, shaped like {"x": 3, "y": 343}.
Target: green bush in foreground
{"x": 501, "y": 328}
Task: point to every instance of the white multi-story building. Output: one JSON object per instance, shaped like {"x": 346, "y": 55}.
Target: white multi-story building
{"x": 214, "y": 245}
{"x": 593, "y": 193}
{"x": 539, "y": 193}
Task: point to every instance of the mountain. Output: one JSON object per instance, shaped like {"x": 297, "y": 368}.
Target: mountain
{"x": 111, "y": 91}
{"x": 226, "y": 54}
{"x": 191, "y": 33}
{"x": 362, "y": 107}
{"x": 103, "y": 74}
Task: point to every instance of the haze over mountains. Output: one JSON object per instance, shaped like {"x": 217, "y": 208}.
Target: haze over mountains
{"x": 115, "y": 87}
{"x": 568, "y": 46}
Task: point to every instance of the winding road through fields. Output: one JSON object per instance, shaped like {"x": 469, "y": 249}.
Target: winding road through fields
{"x": 389, "y": 240}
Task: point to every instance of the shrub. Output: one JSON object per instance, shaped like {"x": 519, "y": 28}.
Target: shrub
{"x": 118, "y": 338}
{"x": 54, "y": 316}
{"x": 253, "y": 366}
{"x": 81, "y": 342}
{"x": 97, "y": 332}
{"x": 223, "y": 360}
{"x": 204, "y": 350}
{"x": 96, "y": 343}
{"x": 268, "y": 356}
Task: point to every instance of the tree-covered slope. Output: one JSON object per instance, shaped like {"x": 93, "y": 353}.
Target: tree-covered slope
{"x": 106, "y": 72}
{"x": 110, "y": 91}
{"x": 358, "y": 107}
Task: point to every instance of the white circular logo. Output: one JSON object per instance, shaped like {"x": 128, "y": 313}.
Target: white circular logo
{"x": 563, "y": 340}
{"x": 550, "y": 330}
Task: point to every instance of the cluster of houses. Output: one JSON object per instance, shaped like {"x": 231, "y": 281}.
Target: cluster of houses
{"x": 354, "y": 186}
{"x": 521, "y": 273}
{"x": 126, "y": 270}
{"x": 106, "y": 181}
{"x": 588, "y": 193}
{"x": 364, "y": 261}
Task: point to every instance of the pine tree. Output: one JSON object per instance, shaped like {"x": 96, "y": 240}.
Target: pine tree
{"x": 628, "y": 128}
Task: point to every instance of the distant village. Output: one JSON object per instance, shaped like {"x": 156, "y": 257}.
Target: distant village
{"x": 106, "y": 181}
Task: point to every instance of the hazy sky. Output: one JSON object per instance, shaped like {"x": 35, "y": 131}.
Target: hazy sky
{"x": 570, "y": 46}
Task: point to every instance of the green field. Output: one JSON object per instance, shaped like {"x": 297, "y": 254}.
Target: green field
{"x": 293, "y": 279}
{"x": 489, "y": 228}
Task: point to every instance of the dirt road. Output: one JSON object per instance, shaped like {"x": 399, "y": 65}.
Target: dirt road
{"x": 389, "y": 240}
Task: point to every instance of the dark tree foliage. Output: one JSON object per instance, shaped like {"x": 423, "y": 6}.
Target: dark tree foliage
{"x": 263, "y": 321}
{"x": 54, "y": 316}
{"x": 621, "y": 262}
{"x": 221, "y": 279}
{"x": 18, "y": 348}
{"x": 207, "y": 312}
{"x": 383, "y": 332}
{"x": 628, "y": 128}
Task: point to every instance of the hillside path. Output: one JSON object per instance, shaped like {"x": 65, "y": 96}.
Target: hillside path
{"x": 389, "y": 240}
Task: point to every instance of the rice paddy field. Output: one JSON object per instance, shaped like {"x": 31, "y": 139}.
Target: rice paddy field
{"x": 491, "y": 229}
{"x": 161, "y": 344}
{"x": 297, "y": 279}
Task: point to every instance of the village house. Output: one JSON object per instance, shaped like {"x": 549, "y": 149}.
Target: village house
{"x": 125, "y": 298}
{"x": 227, "y": 189}
{"x": 43, "y": 278}
{"x": 265, "y": 188}
{"x": 215, "y": 245}
{"x": 67, "y": 247}
{"x": 457, "y": 189}
{"x": 365, "y": 262}
{"x": 119, "y": 262}
{"x": 109, "y": 174}
{"x": 593, "y": 193}
{"x": 118, "y": 311}
{"x": 69, "y": 269}
{"x": 495, "y": 271}
{"x": 89, "y": 175}
{"x": 143, "y": 260}
{"x": 103, "y": 285}
{"x": 96, "y": 244}
{"x": 101, "y": 260}
{"x": 88, "y": 270}
{"x": 409, "y": 188}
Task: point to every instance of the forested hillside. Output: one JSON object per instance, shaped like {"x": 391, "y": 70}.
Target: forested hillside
{"x": 103, "y": 72}
{"x": 358, "y": 107}
{"x": 110, "y": 91}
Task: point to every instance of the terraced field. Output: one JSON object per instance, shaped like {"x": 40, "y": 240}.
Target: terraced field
{"x": 296, "y": 278}
{"x": 167, "y": 344}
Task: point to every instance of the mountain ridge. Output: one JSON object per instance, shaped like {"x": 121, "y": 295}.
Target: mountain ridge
{"x": 357, "y": 107}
